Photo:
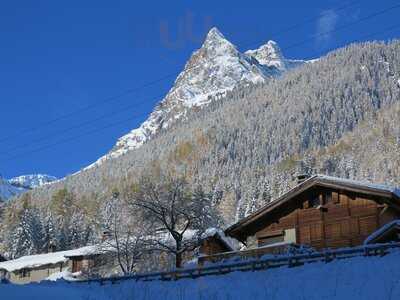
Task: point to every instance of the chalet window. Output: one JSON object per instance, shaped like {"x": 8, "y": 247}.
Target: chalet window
{"x": 335, "y": 198}
{"x": 77, "y": 264}
{"x": 24, "y": 273}
{"x": 314, "y": 201}
{"x": 327, "y": 197}
{"x": 271, "y": 238}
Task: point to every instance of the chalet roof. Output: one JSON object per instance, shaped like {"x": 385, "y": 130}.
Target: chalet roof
{"x": 191, "y": 234}
{"x": 384, "y": 230}
{"x": 230, "y": 243}
{"x": 39, "y": 260}
{"x": 389, "y": 195}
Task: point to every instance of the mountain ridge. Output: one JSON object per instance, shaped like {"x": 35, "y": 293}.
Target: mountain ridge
{"x": 21, "y": 184}
{"x": 214, "y": 69}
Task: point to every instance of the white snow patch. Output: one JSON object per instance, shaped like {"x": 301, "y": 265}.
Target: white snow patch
{"x": 65, "y": 275}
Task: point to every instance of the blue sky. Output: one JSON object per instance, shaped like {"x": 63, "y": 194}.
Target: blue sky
{"x": 57, "y": 58}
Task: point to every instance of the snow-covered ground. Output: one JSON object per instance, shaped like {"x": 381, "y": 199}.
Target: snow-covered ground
{"x": 366, "y": 278}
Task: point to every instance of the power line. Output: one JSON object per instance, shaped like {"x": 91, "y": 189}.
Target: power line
{"x": 78, "y": 126}
{"x": 388, "y": 29}
{"x": 145, "y": 85}
{"x": 309, "y": 20}
{"x": 63, "y": 141}
{"x": 294, "y": 45}
{"x": 373, "y": 15}
{"x": 87, "y": 108}
{"x": 285, "y": 48}
{"x": 363, "y": 37}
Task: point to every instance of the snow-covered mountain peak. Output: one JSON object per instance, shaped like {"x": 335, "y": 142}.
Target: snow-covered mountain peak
{"x": 214, "y": 35}
{"x": 32, "y": 181}
{"x": 7, "y": 190}
{"x": 269, "y": 55}
{"x": 21, "y": 184}
{"x": 211, "y": 71}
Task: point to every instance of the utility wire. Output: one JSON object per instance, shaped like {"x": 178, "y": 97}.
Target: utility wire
{"x": 368, "y": 17}
{"x": 148, "y": 84}
{"x": 311, "y": 19}
{"x": 80, "y": 125}
{"x": 73, "y": 138}
{"x": 116, "y": 97}
{"x": 388, "y": 29}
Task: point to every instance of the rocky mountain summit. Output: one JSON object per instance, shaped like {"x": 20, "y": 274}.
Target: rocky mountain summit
{"x": 217, "y": 67}
{"x": 32, "y": 181}
{"x": 18, "y": 185}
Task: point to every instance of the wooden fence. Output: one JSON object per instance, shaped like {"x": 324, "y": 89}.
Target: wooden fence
{"x": 254, "y": 264}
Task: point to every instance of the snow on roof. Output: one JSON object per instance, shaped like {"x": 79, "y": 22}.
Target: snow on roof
{"x": 194, "y": 234}
{"x": 380, "y": 231}
{"x": 367, "y": 184}
{"x": 230, "y": 242}
{"x": 35, "y": 261}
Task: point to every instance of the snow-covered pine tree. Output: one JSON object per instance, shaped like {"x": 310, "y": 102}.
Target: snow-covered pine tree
{"x": 26, "y": 238}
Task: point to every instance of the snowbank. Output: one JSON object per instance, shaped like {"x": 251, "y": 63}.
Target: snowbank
{"x": 366, "y": 278}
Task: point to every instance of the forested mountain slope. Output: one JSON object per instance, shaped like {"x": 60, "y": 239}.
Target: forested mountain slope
{"x": 338, "y": 116}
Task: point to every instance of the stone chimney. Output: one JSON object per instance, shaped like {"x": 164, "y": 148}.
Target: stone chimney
{"x": 300, "y": 178}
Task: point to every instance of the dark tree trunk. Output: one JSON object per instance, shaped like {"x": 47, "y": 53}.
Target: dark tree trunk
{"x": 178, "y": 260}
{"x": 178, "y": 255}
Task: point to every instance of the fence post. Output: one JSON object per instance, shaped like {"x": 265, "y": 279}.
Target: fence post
{"x": 253, "y": 266}
{"x": 327, "y": 257}
{"x": 266, "y": 265}
{"x": 290, "y": 262}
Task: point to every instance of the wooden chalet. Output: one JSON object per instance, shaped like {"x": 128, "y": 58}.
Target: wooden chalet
{"x": 321, "y": 212}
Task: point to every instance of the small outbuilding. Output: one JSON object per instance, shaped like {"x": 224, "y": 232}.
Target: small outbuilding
{"x": 386, "y": 234}
{"x": 35, "y": 268}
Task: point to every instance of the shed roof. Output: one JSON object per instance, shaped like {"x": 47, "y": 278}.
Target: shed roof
{"x": 386, "y": 229}
{"x": 39, "y": 260}
{"x": 388, "y": 194}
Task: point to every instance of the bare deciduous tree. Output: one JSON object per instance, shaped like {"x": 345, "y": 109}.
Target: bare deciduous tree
{"x": 125, "y": 235}
{"x": 180, "y": 216}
